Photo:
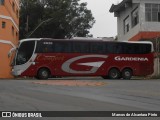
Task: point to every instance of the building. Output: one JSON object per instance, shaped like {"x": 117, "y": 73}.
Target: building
{"x": 137, "y": 19}
{"x": 9, "y": 34}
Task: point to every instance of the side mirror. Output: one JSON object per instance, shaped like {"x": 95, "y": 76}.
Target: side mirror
{"x": 10, "y": 52}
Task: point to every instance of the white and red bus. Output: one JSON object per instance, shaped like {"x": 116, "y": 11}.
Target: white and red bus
{"x": 44, "y": 58}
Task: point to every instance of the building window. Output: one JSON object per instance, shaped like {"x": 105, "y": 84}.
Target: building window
{"x": 12, "y": 30}
{"x": 1, "y": 2}
{"x": 135, "y": 17}
{"x": 17, "y": 13}
{"x": 158, "y": 16}
{"x": 126, "y": 25}
{"x": 152, "y": 12}
{"x": 13, "y": 6}
{"x": 148, "y": 12}
{"x": 17, "y": 37}
{"x": 3, "y": 24}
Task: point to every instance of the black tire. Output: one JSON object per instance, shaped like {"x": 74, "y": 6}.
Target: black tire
{"x": 43, "y": 74}
{"x": 114, "y": 73}
{"x": 127, "y": 74}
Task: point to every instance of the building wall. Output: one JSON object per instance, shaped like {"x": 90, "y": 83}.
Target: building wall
{"x": 120, "y": 20}
{"x": 9, "y": 31}
{"x": 143, "y": 30}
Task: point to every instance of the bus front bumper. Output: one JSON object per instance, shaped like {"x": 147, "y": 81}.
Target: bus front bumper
{"x": 16, "y": 72}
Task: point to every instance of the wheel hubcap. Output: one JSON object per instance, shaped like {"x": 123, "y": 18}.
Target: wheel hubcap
{"x": 114, "y": 75}
{"x": 127, "y": 73}
{"x": 44, "y": 73}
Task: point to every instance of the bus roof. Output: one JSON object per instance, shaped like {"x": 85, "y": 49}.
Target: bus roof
{"x": 83, "y": 39}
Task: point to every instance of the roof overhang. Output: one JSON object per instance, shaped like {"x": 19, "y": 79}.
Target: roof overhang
{"x": 120, "y": 7}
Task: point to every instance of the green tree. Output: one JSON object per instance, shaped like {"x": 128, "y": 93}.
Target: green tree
{"x": 63, "y": 18}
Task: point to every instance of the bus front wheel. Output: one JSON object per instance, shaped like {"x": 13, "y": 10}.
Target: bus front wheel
{"x": 43, "y": 73}
{"x": 114, "y": 73}
{"x": 127, "y": 74}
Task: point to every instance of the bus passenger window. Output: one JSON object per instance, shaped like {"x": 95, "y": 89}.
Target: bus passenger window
{"x": 45, "y": 50}
{"x": 118, "y": 48}
{"x": 81, "y": 47}
{"x": 44, "y": 47}
{"x": 62, "y": 47}
{"x": 110, "y": 48}
{"x": 97, "y": 48}
{"x": 144, "y": 49}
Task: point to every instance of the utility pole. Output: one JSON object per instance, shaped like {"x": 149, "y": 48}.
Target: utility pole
{"x": 45, "y": 21}
{"x": 27, "y": 20}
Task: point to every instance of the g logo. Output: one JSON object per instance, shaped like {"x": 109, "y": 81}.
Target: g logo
{"x": 95, "y": 65}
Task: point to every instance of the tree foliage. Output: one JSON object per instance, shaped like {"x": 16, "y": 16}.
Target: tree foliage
{"x": 55, "y": 19}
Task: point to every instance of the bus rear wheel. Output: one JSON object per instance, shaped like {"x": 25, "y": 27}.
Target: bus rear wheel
{"x": 114, "y": 73}
{"x": 127, "y": 74}
{"x": 43, "y": 73}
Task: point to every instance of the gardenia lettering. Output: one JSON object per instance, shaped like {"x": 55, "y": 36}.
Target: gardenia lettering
{"x": 118, "y": 58}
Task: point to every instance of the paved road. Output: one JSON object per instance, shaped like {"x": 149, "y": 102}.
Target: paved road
{"x": 114, "y": 95}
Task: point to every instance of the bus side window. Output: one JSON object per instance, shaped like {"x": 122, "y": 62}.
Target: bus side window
{"x": 67, "y": 47}
{"x": 39, "y": 47}
{"x": 106, "y": 49}
{"x": 130, "y": 49}
{"x": 118, "y": 48}
{"x": 148, "y": 48}
{"x": 48, "y": 48}
{"x": 58, "y": 47}
{"x": 62, "y": 47}
{"x": 97, "y": 48}
{"x": 42, "y": 47}
{"x": 110, "y": 48}
{"x": 144, "y": 49}
{"x": 126, "y": 48}
{"x": 81, "y": 47}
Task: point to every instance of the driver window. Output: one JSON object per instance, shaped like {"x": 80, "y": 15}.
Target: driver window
{"x": 25, "y": 52}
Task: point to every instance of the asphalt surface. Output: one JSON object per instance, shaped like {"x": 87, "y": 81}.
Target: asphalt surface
{"x": 111, "y": 95}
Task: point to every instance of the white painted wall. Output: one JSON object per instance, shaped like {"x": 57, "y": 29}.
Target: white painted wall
{"x": 120, "y": 20}
{"x": 142, "y": 26}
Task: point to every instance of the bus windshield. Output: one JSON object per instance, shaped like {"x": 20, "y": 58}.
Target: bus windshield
{"x": 25, "y": 52}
